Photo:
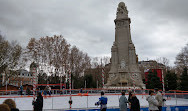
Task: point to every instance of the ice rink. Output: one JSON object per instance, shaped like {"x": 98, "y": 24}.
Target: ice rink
{"x": 25, "y": 103}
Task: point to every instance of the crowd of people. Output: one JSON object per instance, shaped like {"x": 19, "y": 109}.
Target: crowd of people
{"x": 155, "y": 102}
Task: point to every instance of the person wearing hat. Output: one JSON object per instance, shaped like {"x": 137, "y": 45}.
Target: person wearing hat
{"x": 153, "y": 103}
{"x": 159, "y": 98}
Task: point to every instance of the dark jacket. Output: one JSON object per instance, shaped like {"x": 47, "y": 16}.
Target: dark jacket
{"x": 38, "y": 104}
{"x": 14, "y": 109}
{"x": 135, "y": 105}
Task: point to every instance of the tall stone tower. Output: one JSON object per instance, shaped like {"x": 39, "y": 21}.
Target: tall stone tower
{"x": 124, "y": 62}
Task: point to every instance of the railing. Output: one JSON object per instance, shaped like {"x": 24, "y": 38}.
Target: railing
{"x": 88, "y": 97}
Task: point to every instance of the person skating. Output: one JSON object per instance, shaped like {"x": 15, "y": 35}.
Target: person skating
{"x": 38, "y": 104}
{"x": 28, "y": 91}
{"x": 21, "y": 90}
{"x": 123, "y": 102}
{"x": 45, "y": 91}
{"x": 153, "y": 103}
{"x": 103, "y": 102}
{"x": 49, "y": 90}
{"x": 135, "y": 104}
{"x": 159, "y": 98}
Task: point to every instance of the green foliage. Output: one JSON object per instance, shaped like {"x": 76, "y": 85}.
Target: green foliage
{"x": 89, "y": 81}
{"x": 184, "y": 80}
{"x": 78, "y": 82}
{"x": 153, "y": 81}
{"x": 42, "y": 78}
{"x": 170, "y": 81}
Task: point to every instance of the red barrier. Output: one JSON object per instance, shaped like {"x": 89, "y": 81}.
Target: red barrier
{"x": 83, "y": 94}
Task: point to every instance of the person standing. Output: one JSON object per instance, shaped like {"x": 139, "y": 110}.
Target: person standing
{"x": 49, "y": 91}
{"x": 21, "y": 90}
{"x": 103, "y": 102}
{"x": 38, "y": 104}
{"x": 28, "y": 91}
{"x": 123, "y": 102}
{"x": 130, "y": 98}
{"x": 45, "y": 91}
{"x": 159, "y": 98}
{"x": 153, "y": 103}
{"x": 135, "y": 104}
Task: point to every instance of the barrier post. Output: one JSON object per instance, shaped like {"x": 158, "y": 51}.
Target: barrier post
{"x": 87, "y": 101}
{"x": 70, "y": 101}
{"x": 175, "y": 97}
{"x": 52, "y": 102}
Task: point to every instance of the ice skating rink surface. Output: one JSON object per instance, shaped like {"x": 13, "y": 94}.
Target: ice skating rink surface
{"x": 61, "y": 102}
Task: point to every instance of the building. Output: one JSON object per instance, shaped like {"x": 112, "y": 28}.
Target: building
{"x": 21, "y": 77}
{"x": 145, "y": 66}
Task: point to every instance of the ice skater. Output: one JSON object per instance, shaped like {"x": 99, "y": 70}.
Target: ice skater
{"x": 153, "y": 103}
{"x": 21, "y": 90}
{"x": 49, "y": 90}
{"x": 123, "y": 102}
{"x": 159, "y": 98}
{"x": 103, "y": 102}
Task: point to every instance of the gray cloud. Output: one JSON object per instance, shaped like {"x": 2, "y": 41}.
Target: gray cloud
{"x": 158, "y": 28}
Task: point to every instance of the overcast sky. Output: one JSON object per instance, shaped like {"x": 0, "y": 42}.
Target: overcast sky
{"x": 159, "y": 28}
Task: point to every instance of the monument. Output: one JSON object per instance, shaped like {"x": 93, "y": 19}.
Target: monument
{"x": 124, "y": 69}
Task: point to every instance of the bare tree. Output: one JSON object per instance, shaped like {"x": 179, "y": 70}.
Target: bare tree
{"x": 10, "y": 53}
{"x": 181, "y": 61}
{"x": 163, "y": 60}
{"x": 54, "y": 53}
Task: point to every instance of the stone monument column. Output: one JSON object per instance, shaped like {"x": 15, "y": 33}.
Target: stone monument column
{"x": 124, "y": 67}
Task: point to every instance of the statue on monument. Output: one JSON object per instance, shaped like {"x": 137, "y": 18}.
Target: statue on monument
{"x": 121, "y": 10}
{"x": 124, "y": 69}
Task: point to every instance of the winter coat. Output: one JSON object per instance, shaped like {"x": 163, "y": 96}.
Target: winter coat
{"x": 135, "y": 105}
{"x": 38, "y": 104}
{"x": 153, "y": 103}
{"x": 102, "y": 101}
{"x": 159, "y": 98}
{"x": 123, "y": 103}
{"x": 14, "y": 109}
